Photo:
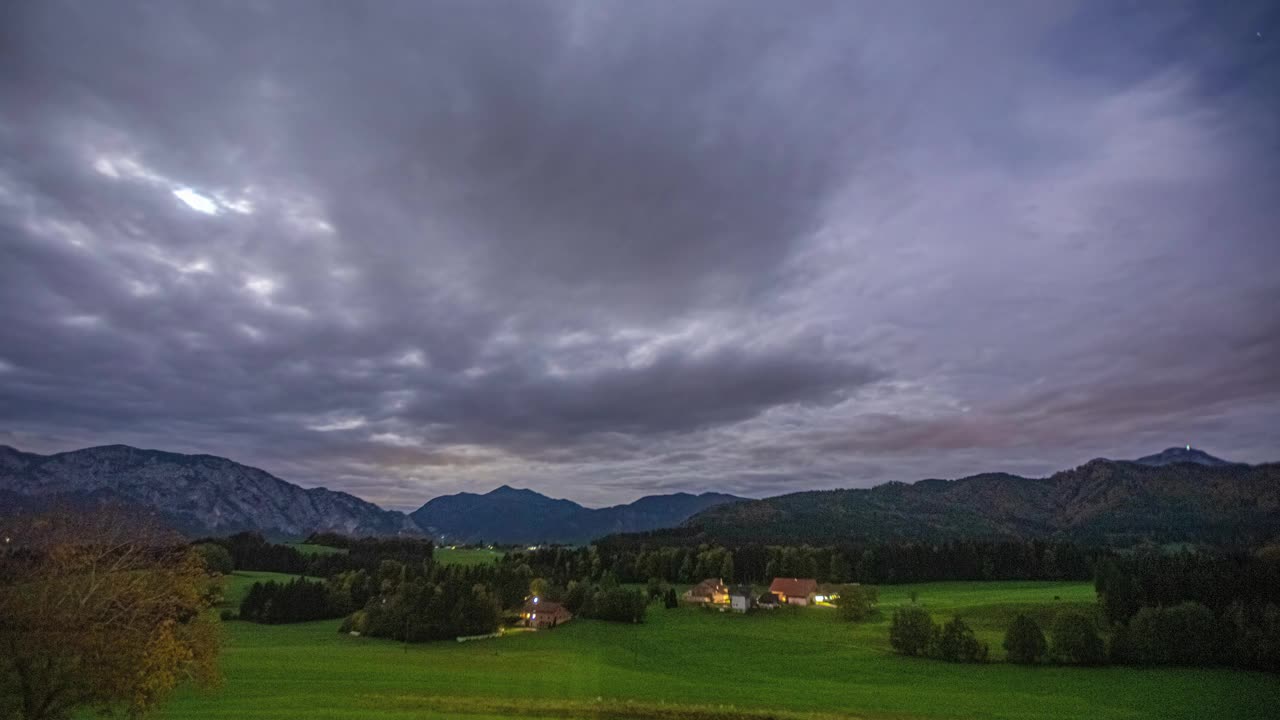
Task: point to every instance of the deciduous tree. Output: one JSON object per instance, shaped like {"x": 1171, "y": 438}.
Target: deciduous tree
{"x": 101, "y": 611}
{"x": 1024, "y": 643}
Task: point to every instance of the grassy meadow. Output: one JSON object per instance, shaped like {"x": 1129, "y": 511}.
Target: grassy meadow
{"x": 309, "y": 549}
{"x": 696, "y": 664}
{"x": 466, "y": 556}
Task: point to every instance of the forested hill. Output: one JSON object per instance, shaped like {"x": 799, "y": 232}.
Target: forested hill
{"x": 1101, "y": 501}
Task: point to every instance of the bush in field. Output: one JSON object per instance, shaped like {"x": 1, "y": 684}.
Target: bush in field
{"x": 911, "y": 630}
{"x": 1185, "y": 634}
{"x": 670, "y": 601}
{"x": 1024, "y": 643}
{"x": 955, "y": 642}
{"x": 856, "y": 602}
{"x": 1076, "y": 640}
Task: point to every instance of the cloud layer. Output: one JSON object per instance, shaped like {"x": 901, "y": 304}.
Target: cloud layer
{"x": 606, "y": 249}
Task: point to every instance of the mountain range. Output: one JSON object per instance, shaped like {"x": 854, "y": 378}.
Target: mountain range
{"x": 197, "y": 494}
{"x": 1177, "y": 495}
{"x": 508, "y": 515}
{"x": 209, "y": 495}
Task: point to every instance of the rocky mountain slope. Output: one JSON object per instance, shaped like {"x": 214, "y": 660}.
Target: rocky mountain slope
{"x": 508, "y": 515}
{"x": 198, "y": 494}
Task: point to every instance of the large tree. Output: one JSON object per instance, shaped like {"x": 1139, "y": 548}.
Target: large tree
{"x": 99, "y": 611}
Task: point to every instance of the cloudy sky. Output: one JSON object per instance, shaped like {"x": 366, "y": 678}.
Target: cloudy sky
{"x": 606, "y": 249}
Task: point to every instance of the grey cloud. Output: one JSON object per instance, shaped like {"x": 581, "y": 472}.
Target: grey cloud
{"x": 606, "y": 248}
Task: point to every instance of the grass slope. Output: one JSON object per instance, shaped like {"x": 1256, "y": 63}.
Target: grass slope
{"x": 693, "y": 664}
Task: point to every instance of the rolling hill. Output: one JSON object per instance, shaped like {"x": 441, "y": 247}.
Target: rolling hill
{"x": 1101, "y": 501}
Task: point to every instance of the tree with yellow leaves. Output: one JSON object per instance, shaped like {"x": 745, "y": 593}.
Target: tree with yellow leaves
{"x": 99, "y": 610}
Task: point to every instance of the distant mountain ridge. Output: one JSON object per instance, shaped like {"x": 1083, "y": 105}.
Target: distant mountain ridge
{"x": 1163, "y": 497}
{"x": 509, "y": 515}
{"x": 197, "y": 494}
{"x": 210, "y": 495}
{"x": 1177, "y": 494}
{"x": 1183, "y": 455}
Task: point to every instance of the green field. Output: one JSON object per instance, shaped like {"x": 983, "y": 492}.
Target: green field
{"x": 308, "y": 549}
{"x": 237, "y": 585}
{"x": 466, "y": 556}
{"x": 696, "y": 664}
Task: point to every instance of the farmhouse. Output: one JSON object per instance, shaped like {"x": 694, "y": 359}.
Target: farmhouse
{"x": 544, "y": 614}
{"x": 740, "y": 599}
{"x": 711, "y": 590}
{"x": 794, "y": 591}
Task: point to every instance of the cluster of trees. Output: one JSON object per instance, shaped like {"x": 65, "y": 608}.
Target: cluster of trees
{"x": 607, "y": 603}
{"x": 299, "y": 600}
{"x": 1193, "y": 608}
{"x": 604, "y": 600}
{"x": 1075, "y": 641}
{"x": 419, "y": 610}
{"x": 631, "y": 561}
{"x": 912, "y": 631}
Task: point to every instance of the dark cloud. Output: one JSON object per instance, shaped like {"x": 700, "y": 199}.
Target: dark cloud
{"x": 603, "y": 249}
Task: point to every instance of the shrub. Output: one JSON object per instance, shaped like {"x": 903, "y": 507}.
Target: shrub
{"x": 226, "y": 615}
{"x": 1024, "y": 643}
{"x": 955, "y": 642}
{"x": 856, "y": 602}
{"x": 1076, "y": 640}
{"x": 910, "y": 630}
{"x": 1185, "y": 634}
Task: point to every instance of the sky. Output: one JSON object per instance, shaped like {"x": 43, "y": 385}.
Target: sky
{"x": 609, "y": 249}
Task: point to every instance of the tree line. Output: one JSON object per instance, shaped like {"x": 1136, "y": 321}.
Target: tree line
{"x": 251, "y": 551}
{"x": 878, "y": 564}
{"x": 1187, "y": 608}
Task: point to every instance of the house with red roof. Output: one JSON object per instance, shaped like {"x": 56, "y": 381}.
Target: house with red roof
{"x": 794, "y": 591}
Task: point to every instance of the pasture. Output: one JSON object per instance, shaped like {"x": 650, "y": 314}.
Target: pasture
{"x": 695, "y": 664}
{"x": 466, "y": 556}
{"x": 309, "y": 549}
